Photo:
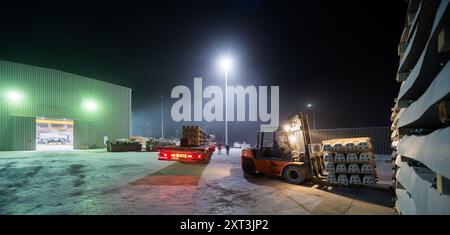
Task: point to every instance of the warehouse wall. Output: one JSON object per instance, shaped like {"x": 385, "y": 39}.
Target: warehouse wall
{"x": 55, "y": 94}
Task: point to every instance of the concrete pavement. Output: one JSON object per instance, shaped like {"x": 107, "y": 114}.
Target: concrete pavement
{"x": 97, "y": 182}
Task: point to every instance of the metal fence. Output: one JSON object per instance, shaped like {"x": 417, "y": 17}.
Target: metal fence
{"x": 381, "y": 136}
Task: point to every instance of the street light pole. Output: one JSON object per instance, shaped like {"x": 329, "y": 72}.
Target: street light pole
{"x": 310, "y": 106}
{"x": 226, "y": 106}
{"x": 314, "y": 121}
{"x": 162, "y": 117}
{"x": 225, "y": 63}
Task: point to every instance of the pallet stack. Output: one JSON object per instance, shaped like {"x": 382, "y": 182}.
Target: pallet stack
{"x": 194, "y": 135}
{"x": 350, "y": 161}
{"x": 421, "y": 115}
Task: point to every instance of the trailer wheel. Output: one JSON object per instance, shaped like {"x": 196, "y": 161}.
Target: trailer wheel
{"x": 294, "y": 174}
{"x": 248, "y": 167}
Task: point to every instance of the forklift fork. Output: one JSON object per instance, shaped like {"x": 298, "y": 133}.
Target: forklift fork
{"x": 307, "y": 139}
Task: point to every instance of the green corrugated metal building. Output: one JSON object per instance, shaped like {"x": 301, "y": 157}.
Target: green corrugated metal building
{"x": 27, "y": 92}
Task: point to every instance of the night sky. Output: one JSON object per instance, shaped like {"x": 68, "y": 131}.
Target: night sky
{"x": 341, "y": 56}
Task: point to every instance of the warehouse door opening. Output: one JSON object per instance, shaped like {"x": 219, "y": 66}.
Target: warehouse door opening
{"x": 54, "y": 134}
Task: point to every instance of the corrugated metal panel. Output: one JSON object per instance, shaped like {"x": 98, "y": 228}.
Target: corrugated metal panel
{"x": 23, "y": 133}
{"x": 55, "y": 94}
{"x": 5, "y": 127}
{"x": 81, "y": 134}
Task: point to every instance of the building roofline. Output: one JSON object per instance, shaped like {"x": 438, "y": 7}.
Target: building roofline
{"x": 60, "y": 71}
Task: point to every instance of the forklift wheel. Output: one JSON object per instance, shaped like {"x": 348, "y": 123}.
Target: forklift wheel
{"x": 249, "y": 167}
{"x": 294, "y": 174}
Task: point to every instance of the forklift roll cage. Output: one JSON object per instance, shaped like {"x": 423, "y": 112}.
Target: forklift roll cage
{"x": 299, "y": 152}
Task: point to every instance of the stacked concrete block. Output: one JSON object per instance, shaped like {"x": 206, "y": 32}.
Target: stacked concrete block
{"x": 355, "y": 179}
{"x": 352, "y": 157}
{"x": 364, "y": 145}
{"x": 328, "y": 157}
{"x": 337, "y": 147}
{"x": 366, "y": 157}
{"x": 327, "y": 147}
{"x": 341, "y": 168}
{"x": 354, "y": 169}
{"x": 367, "y": 169}
{"x": 194, "y": 135}
{"x": 350, "y": 146}
{"x": 339, "y": 157}
{"x": 332, "y": 178}
{"x": 348, "y": 161}
{"x": 368, "y": 180}
{"x": 421, "y": 114}
{"x": 343, "y": 179}
{"x": 330, "y": 168}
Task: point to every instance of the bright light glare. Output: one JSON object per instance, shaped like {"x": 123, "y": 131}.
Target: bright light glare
{"x": 292, "y": 138}
{"x": 225, "y": 63}
{"x": 90, "y": 105}
{"x": 309, "y": 105}
{"x": 287, "y": 128}
{"x": 14, "y": 96}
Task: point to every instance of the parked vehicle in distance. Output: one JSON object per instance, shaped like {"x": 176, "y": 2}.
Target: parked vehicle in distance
{"x": 195, "y": 146}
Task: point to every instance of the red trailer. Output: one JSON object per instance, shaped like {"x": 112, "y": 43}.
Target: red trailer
{"x": 186, "y": 154}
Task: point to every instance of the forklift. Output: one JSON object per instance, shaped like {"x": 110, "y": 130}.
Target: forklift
{"x": 289, "y": 153}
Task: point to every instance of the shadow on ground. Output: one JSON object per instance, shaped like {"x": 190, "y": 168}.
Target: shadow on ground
{"x": 177, "y": 174}
{"x": 375, "y": 195}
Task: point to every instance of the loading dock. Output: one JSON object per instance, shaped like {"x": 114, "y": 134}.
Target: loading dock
{"x": 54, "y": 134}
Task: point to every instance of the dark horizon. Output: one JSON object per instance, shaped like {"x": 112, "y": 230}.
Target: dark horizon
{"x": 339, "y": 56}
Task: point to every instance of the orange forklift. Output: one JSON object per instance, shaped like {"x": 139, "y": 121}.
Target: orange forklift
{"x": 289, "y": 153}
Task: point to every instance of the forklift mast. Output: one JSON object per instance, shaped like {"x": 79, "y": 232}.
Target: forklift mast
{"x": 300, "y": 139}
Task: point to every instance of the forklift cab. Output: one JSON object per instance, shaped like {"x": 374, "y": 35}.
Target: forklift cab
{"x": 284, "y": 152}
{"x": 272, "y": 146}
{"x": 287, "y": 144}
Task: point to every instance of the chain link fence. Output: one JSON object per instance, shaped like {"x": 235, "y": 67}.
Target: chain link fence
{"x": 381, "y": 136}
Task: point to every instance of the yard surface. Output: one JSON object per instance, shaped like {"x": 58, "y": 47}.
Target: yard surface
{"x": 98, "y": 182}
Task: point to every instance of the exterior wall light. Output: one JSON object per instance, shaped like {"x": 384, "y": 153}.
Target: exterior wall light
{"x": 14, "y": 96}
{"x": 90, "y": 105}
